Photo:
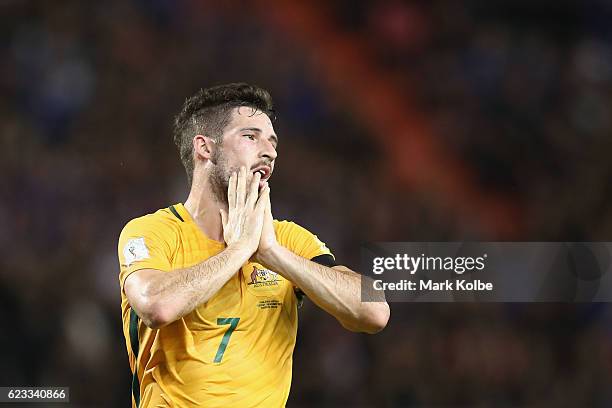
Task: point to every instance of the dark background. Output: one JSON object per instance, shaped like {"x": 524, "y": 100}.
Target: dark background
{"x": 398, "y": 121}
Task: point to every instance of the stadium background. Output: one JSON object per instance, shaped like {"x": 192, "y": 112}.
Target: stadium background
{"x": 426, "y": 120}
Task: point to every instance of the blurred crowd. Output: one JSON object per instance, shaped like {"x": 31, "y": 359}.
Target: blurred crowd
{"x": 520, "y": 92}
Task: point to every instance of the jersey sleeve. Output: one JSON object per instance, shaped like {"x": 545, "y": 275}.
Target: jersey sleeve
{"x": 144, "y": 244}
{"x": 300, "y": 241}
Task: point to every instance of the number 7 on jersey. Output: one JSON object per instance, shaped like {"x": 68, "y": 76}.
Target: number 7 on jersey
{"x": 233, "y": 322}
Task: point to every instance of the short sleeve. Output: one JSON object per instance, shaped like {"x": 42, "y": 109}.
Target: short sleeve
{"x": 300, "y": 241}
{"x": 144, "y": 244}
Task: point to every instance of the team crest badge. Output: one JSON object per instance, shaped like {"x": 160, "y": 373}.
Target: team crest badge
{"x": 263, "y": 277}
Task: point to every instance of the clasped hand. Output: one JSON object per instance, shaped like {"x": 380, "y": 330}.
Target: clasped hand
{"x": 248, "y": 221}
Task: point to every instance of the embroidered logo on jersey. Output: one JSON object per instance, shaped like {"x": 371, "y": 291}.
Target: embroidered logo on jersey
{"x": 263, "y": 277}
{"x": 135, "y": 250}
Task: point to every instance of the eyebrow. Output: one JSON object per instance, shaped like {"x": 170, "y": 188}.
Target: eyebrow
{"x": 254, "y": 129}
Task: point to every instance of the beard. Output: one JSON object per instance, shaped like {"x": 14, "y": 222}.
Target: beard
{"x": 219, "y": 176}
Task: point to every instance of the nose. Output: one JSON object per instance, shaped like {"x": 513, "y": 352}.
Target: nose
{"x": 268, "y": 150}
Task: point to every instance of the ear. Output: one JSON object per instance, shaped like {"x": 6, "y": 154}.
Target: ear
{"x": 203, "y": 146}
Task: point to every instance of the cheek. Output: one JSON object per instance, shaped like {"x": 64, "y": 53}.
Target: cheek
{"x": 238, "y": 156}
{"x": 245, "y": 152}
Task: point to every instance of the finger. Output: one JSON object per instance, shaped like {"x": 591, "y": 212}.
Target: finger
{"x": 264, "y": 197}
{"x": 223, "y": 218}
{"x": 253, "y": 190}
{"x": 268, "y": 206}
{"x": 241, "y": 190}
{"x": 231, "y": 191}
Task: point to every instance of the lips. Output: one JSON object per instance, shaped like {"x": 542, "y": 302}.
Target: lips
{"x": 264, "y": 171}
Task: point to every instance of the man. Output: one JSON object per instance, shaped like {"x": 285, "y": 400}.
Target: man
{"x": 209, "y": 288}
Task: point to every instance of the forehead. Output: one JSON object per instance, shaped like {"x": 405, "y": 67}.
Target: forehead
{"x": 245, "y": 116}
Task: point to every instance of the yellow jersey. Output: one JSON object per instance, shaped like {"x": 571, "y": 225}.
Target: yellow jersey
{"x": 234, "y": 350}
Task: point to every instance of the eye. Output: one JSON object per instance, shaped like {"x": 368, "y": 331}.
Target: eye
{"x": 252, "y": 137}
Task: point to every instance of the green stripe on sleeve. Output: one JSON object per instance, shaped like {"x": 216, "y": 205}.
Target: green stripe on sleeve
{"x": 135, "y": 346}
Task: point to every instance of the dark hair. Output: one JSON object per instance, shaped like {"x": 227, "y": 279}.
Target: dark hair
{"x": 209, "y": 111}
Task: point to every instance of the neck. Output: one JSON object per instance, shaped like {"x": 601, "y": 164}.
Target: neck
{"x": 204, "y": 209}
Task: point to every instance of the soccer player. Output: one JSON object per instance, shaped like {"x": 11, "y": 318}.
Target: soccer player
{"x": 209, "y": 288}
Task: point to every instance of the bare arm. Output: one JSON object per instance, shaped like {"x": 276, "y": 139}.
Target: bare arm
{"x": 159, "y": 298}
{"x": 336, "y": 290}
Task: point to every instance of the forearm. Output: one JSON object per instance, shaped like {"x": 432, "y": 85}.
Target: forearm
{"x": 337, "y": 291}
{"x": 179, "y": 292}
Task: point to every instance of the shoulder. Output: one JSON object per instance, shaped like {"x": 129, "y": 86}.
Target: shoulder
{"x": 289, "y": 227}
{"x": 162, "y": 223}
{"x": 299, "y": 239}
{"x": 147, "y": 242}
